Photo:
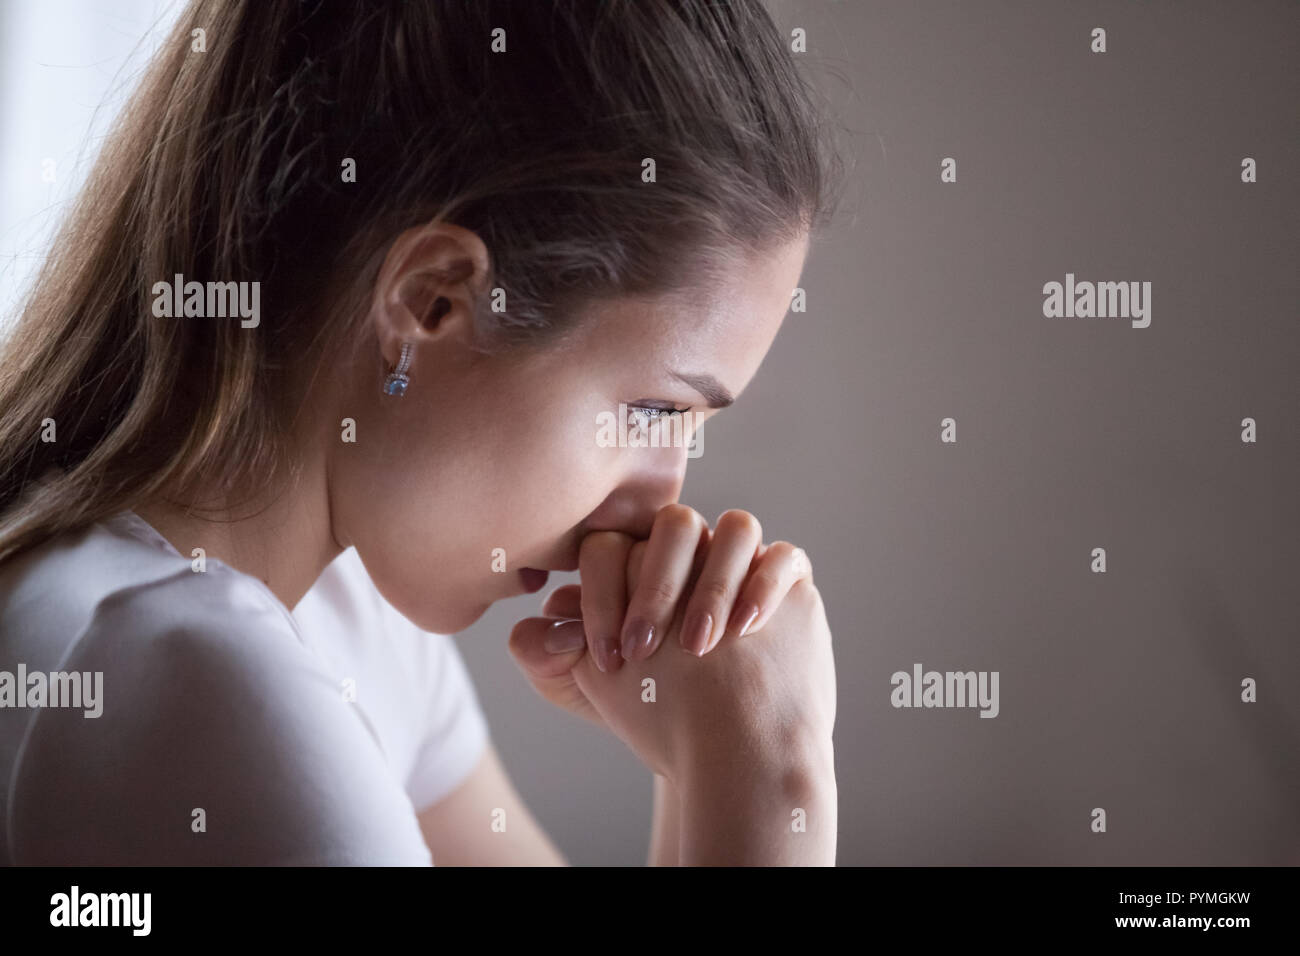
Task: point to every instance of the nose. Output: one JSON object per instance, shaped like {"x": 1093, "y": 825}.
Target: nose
{"x": 654, "y": 480}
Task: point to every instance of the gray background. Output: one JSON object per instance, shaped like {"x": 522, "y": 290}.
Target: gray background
{"x": 1118, "y": 690}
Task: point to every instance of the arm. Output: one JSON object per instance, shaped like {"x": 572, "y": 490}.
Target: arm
{"x": 665, "y": 826}
{"x": 458, "y": 832}
{"x": 458, "y": 828}
{"x": 739, "y": 810}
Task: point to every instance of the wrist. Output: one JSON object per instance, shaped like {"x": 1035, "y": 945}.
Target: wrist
{"x": 761, "y": 808}
{"x": 792, "y": 760}
{"x": 796, "y": 765}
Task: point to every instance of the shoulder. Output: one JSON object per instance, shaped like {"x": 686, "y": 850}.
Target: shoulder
{"x": 219, "y": 740}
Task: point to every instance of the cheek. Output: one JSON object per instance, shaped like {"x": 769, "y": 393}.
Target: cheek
{"x": 540, "y": 479}
{"x": 512, "y": 483}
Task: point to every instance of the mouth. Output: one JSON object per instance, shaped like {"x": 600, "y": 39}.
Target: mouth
{"x": 533, "y": 579}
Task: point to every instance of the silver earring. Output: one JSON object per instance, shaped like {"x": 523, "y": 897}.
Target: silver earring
{"x": 397, "y": 379}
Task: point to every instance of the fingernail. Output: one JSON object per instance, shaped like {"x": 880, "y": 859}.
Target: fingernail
{"x": 565, "y": 636}
{"x": 698, "y": 633}
{"x": 607, "y": 654}
{"x": 746, "y": 614}
{"x": 637, "y": 636}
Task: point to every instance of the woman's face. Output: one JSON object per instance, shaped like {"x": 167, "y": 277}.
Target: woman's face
{"x": 491, "y": 464}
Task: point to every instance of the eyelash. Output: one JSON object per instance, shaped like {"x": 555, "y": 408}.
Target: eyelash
{"x": 658, "y": 412}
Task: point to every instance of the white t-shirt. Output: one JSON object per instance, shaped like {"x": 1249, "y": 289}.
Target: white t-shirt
{"x": 229, "y": 730}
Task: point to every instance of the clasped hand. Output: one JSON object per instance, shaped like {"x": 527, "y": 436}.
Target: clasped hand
{"x": 696, "y": 647}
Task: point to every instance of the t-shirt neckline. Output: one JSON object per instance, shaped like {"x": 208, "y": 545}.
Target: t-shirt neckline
{"x": 146, "y": 532}
{"x": 140, "y": 529}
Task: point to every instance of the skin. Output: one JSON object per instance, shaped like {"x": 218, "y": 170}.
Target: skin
{"x": 527, "y": 476}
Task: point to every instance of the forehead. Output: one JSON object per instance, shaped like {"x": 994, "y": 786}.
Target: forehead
{"x": 727, "y": 324}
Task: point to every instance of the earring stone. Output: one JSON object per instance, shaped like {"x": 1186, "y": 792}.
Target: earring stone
{"x": 397, "y": 379}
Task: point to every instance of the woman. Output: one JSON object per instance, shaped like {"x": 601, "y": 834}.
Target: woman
{"x": 324, "y": 348}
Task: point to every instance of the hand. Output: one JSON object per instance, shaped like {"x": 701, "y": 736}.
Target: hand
{"x": 762, "y": 698}
{"x": 547, "y": 648}
{"x": 725, "y": 565}
{"x": 730, "y": 578}
{"x": 755, "y": 704}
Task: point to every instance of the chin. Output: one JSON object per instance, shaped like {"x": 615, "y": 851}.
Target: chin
{"x": 475, "y": 614}
{"x": 448, "y": 619}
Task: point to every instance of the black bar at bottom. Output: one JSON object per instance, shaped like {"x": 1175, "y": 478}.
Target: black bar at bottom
{"x": 588, "y": 906}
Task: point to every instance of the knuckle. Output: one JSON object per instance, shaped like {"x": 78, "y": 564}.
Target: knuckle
{"x": 766, "y": 581}
{"x": 603, "y": 542}
{"x": 783, "y": 548}
{"x": 599, "y": 603}
{"x": 805, "y": 592}
{"x": 678, "y": 515}
{"x": 656, "y": 593}
{"x": 738, "y": 521}
{"x": 799, "y": 559}
{"x": 602, "y": 619}
{"x": 795, "y": 556}
{"x": 714, "y": 590}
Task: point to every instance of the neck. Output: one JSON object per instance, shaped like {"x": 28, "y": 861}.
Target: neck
{"x": 286, "y": 545}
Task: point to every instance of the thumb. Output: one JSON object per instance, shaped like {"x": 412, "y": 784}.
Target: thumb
{"x": 547, "y": 648}
{"x": 538, "y": 646}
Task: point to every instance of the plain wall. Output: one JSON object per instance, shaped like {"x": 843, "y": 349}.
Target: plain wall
{"x": 1118, "y": 690}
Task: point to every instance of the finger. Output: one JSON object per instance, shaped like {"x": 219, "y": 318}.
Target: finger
{"x": 771, "y": 578}
{"x": 736, "y": 543}
{"x": 547, "y": 647}
{"x": 534, "y": 645}
{"x": 634, "y": 562}
{"x": 635, "y": 558}
{"x": 602, "y": 564}
{"x": 665, "y": 571}
{"x": 564, "y": 601}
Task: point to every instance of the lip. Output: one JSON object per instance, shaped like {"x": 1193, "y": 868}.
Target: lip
{"x": 533, "y": 579}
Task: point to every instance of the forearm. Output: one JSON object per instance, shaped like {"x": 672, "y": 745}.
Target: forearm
{"x": 665, "y": 825}
{"x": 761, "y": 813}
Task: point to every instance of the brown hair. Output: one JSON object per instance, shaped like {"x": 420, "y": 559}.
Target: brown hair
{"x": 226, "y": 165}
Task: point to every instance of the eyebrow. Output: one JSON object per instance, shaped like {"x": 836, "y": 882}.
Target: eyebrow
{"x": 713, "y": 391}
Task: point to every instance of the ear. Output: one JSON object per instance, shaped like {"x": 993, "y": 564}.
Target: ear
{"x": 427, "y": 288}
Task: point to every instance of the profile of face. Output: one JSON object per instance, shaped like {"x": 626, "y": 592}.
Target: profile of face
{"x": 493, "y": 463}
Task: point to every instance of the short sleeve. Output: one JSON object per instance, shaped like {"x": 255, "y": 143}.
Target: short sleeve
{"x": 220, "y": 742}
{"x": 455, "y": 731}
